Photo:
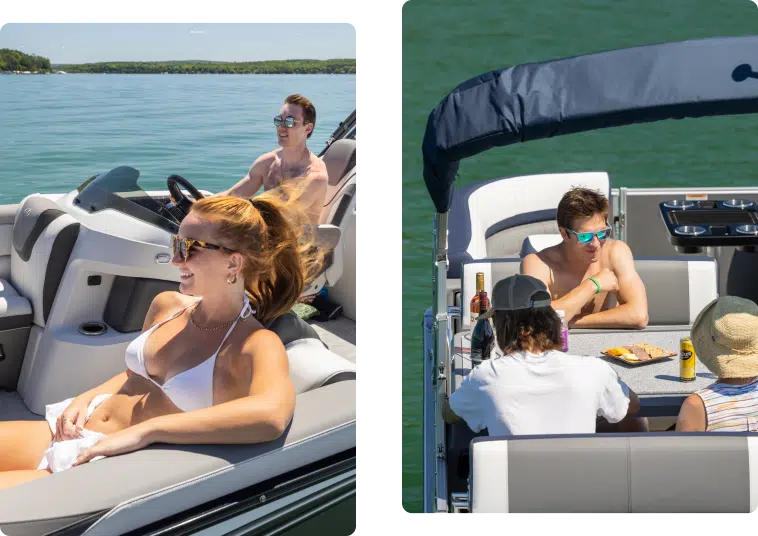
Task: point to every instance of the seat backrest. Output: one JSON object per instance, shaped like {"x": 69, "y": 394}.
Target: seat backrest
{"x": 677, "y": 288}
{"x": 481, "y": 213}
{"x": 340, "y": 166}
{"x": 43, "y": 238}
{"x": 327, "y": 236}
{"x": 654, "y": 472}
{"x": 312, "y": 364}
{"x": 537, "y": 242}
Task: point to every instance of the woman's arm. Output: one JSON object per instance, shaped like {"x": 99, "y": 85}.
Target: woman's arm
{"x": 262, "y": 415}
{"x": 692, "y": 416}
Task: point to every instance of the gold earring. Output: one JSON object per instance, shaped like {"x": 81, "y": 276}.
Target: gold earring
{"x": 232, "y": 279}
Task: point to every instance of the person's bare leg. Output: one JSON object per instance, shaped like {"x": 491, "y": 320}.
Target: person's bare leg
{"x": 22, "y": 444}
{"x": 9, "y": 479}
{"x": 627, "y": 425}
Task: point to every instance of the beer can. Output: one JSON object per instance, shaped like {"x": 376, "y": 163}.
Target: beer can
{"x": 686, "y": 360}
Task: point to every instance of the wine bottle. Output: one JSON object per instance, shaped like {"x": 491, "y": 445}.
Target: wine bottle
{"x": 483, "y": 336}
{"x": 474, "y": 306}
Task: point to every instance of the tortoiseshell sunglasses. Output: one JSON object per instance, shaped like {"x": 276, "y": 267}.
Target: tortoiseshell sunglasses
{"x": 183, "y": 246}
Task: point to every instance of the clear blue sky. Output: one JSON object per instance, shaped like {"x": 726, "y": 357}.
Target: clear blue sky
{"x": 87, "y": 43}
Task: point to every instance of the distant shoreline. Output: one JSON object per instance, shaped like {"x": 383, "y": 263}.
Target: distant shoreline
{"x": 334, "y": 66}
{"x": 188, "y": 73}
{"x": 16, "y": 62}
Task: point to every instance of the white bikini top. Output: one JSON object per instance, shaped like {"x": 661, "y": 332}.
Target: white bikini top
{"x": 190, "y": 389}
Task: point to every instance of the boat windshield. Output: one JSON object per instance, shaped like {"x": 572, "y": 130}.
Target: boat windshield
{"x": 118, "y": 190}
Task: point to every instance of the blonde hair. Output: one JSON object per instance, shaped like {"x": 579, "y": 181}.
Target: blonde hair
{"x": 274, "y": 236}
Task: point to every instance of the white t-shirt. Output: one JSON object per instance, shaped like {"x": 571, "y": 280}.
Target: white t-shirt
{"x": 549, "y": 393}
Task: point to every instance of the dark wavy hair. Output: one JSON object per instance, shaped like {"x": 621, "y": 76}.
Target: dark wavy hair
{"x": 538, "y": 329}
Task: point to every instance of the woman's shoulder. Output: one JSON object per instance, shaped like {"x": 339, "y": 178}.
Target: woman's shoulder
{"x": 171, "y": 299}
{"x": 166, "y": 304}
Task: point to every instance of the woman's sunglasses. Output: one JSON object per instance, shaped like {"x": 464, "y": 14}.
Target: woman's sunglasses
{"x": 288, "y": 121}
{"x": 586, "y": 238}
{"x": 183, "y": 246}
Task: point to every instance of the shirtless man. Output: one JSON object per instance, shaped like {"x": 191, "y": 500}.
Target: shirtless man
{"x": 589, "y": 276}
{"x": 293, "y": 163}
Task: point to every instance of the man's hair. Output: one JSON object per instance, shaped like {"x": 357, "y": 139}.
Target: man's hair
{"x": 309, "y": 111}
{"x": 580, "y": 203}
{"x": 538, "y": 329}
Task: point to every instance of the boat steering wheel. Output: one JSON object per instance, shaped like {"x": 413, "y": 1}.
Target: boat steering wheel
{"x": 181, "y": 201}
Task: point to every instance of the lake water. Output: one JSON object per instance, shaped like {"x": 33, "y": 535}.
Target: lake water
{"x": 447, "y": 42}
{"x": 58, "y": 130}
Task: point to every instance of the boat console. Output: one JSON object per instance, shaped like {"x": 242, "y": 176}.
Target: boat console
{"x": 695, "y": 225}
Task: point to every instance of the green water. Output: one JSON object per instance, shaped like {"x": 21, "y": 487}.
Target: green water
{"x": 445, "y": 43}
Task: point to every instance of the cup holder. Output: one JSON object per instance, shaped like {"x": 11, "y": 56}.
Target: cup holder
{"x": 92, "y": 329}
{"x": 689, "y": 230}
{"x": 679, "y": 203}
{"x": 738, "y": 203}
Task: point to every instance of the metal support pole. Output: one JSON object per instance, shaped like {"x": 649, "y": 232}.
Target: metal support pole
{"x": 441, "y": 355}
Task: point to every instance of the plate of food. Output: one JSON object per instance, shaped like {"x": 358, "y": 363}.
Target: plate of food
{"x": 638, "y": 354}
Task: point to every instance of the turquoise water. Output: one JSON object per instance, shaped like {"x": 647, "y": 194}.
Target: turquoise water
{"x": 447, "y": 42}
{"x": 58, "y": 130}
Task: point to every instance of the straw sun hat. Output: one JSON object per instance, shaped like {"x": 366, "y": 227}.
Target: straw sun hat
{"x": 725, "y": 337}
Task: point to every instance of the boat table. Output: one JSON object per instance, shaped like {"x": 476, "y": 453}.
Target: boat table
{"x": 657, "y": 384}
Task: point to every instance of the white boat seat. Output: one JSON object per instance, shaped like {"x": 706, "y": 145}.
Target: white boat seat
{"x": 653, "y": 472}
{"x": 327, "y": 236}
{"x": 162, "y": 480}
{"x": 15, "y": 310}
{"x": 340, "y": 167}
{"x": 677, "y": 288}
{"x": 340, "y": 192}
{"x": 536, "y": 243}
{"x": 491, "y": 219}
{"x": 43, "y": 238}
{"x": 312, "y": 364}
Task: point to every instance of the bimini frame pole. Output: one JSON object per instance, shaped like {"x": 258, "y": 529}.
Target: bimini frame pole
{"x": 440, "y": 358}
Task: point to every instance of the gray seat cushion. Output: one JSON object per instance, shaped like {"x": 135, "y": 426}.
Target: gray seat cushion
{"x": 620, "y": 473}
{"x": 154, "y": 483}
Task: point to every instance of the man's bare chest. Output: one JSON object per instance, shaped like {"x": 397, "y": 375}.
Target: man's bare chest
{"x": 278, "y": 174}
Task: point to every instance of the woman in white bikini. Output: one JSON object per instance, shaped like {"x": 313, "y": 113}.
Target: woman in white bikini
{"x": 243, "y": 263}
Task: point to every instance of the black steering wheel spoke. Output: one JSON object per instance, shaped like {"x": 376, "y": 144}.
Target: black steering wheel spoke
{"x": 182, "y": 203}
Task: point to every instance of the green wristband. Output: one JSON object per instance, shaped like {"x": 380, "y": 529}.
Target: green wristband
{"x": 596, "y": 284}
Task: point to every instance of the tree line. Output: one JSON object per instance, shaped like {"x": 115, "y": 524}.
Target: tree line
{"x": 334, "y": 66}
{"x": 15, "y": 60}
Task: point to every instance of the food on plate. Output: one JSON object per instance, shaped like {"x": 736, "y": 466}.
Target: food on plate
{"x": 638, "y": 352}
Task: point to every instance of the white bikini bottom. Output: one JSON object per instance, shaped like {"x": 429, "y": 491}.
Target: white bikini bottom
{"x": 60, "y": 455}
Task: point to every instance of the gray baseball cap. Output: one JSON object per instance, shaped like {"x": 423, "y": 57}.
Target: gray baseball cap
{"x": 517, "y": 292}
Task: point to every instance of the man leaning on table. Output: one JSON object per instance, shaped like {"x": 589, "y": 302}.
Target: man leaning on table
{"x": 590, "y": 276}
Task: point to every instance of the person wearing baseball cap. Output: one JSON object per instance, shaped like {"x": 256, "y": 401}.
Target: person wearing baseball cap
{"x": 725, "y": 338}
{"x": 534, "y": 388}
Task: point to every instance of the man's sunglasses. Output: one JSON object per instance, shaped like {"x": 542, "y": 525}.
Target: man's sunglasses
{"x": 586, "y": 238}
{"x": 183, "y": 246}
{"x": 288, "y": 121}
